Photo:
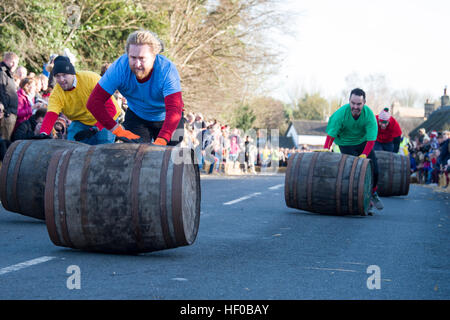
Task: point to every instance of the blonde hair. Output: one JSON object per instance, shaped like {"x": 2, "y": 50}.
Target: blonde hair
{"x": 142, "y": 37}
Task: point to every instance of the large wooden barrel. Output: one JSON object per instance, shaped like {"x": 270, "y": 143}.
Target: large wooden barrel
{"x": 124, "y": 198}
{"x": 394, "y": 174}
{"x": 23, "y": 173}
{"x": 328, "y": 183}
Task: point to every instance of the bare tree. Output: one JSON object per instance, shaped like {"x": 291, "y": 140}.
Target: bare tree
{"x": 221, "y": 50}
{"x": 378, "y": 92}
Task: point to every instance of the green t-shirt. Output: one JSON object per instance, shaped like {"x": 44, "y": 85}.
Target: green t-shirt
{"x": 347, "y": 131}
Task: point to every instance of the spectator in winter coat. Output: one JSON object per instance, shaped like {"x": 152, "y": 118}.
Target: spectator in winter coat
{"x": 444, "y": 148}
{"x": 4, "y": 144}
{"x": 25, "y": 96}
{"x": 8, "y": 94}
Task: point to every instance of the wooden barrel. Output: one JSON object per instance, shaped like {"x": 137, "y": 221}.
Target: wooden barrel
{"x": 328, "y": 183}
{"x": 394, "y": 174}
{"x": 123, "y": 198}
{"x": 23, "y": 173}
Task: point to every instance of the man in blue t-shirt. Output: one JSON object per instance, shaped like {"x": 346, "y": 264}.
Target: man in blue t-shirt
{"x": 151, "y": 84}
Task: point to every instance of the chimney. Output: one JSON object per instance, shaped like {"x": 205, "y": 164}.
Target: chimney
{"x": 445, "y": 98}
{"x": 429, "y": 108}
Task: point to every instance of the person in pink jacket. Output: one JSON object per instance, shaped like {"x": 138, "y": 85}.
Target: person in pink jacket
{"x": 25, "y": 94}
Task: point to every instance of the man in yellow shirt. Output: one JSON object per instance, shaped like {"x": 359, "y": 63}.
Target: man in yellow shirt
{"x": 69, "y": 97}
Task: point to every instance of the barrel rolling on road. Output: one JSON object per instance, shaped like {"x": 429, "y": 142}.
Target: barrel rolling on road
{"x": 23, "y": 174}
{"x": 328, "y": 183}
{"x": 124, "y": 198}
{"x": 394, "y": 174}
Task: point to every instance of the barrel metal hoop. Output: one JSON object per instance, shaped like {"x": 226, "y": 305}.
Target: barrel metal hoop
{"x": 339, "y": 183}
{"x": 4, "y": 174}
{"x": 310, "y": 179}
{"x": 16, "y": 176}
{"x": 408, "y": 174}
{"x": 403, "y": 176}
{"x": 391, "y": 172}
{"x": 135, "y": 194}
{"x": 296, "y": 180}
{"x": 163, "y": 194}
{"x": 287, "y": 180}
{"x": 49, "y": 197}
{"x": 362, "y": 176}
{"x": 350, "y": 185}
{"x": 177, "y": 208}
{"x": 83, "y": 196}
{"x": 62, "y": 197}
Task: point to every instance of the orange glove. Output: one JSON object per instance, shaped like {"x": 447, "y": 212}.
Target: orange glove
{"x": 126, "y": 135}
{"x": 160, "y": 142}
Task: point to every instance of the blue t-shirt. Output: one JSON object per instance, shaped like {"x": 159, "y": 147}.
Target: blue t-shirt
{"x": 146, "y": 99}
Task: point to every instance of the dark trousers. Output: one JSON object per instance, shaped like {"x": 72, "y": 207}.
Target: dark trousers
{"x": 149, "y": 130}
{"x": 356, "y": 151}
{"x": 388, "y": 146}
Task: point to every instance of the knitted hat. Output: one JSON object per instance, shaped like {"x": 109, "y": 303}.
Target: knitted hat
{"x": 384, "y": 115}
{"x": 62, "y": 65}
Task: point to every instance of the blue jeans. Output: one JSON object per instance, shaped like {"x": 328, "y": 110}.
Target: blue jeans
{"x": 219, "y": 159}
{"x": 101, "y": 137}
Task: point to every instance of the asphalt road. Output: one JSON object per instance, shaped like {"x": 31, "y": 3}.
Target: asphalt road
{"x": 249, "y": 246}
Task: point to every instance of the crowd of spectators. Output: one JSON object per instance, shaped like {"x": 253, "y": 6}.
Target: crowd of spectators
{"x": 430, "y": 157}
{"x": 221, "y": 149}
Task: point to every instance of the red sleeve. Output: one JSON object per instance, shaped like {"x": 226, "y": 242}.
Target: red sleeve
{"x": 174, "y": 108}
{"x": 111, "y": 109}
{"x": 328, "y": 142}
{"x": 48, "y": 122}
{"x": 102, "y": 108}
{"x": 368, "y": 148}
{"x": 396, "y": 130}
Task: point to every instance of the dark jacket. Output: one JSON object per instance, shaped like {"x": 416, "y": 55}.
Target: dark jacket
{"x": 8, "y": 91}
{"x": 444, "y": 149}
{"x": 25, "y": 130}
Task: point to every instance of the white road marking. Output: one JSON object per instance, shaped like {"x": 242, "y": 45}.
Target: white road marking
{"x": 25, "y": 264}
{"x": 278, "y": 186}
{"x": 179, "y": 279}
{"x": 331, "y": 269}
{"x": 242, "y": 198}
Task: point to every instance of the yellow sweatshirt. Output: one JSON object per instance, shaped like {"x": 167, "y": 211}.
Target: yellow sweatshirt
{"x": 73, "y": 103}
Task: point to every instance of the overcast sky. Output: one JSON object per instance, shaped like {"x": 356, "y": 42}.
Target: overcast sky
{"x": 406, "y": 40}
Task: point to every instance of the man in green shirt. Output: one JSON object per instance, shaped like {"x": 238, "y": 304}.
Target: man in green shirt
{"x": 353, "y": 127}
